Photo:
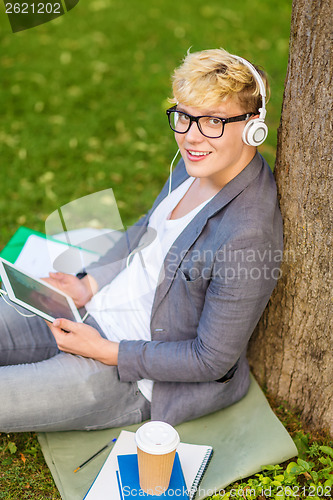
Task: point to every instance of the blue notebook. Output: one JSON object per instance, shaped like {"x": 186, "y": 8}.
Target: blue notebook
{"x": 129, "y": 486}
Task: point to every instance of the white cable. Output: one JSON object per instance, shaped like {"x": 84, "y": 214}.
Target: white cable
{"x": 129, "y": 256}
{"x": 3, "y": 293}
{"x": 169, "y": 191}
{"x": 85, "y": 317}
{"x": 170, "y": 174}
{"x": 140, "y": 247}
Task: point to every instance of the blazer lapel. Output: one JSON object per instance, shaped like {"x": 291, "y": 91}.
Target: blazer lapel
{"x": 187, "y": 237}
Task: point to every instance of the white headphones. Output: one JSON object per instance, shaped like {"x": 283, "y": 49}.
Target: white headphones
{"x": 255, "y": 131}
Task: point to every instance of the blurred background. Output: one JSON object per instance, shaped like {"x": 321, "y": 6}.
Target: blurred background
{"x": 83, "y": 97}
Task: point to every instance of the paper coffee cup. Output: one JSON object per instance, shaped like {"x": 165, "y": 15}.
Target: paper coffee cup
{"x": 156, "y": 443}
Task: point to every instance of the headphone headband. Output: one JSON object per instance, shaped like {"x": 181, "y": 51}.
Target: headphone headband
{"x": 260, "y": 82}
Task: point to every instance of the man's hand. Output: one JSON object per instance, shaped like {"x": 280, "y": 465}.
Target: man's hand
{"x": 81, "y": 291}
{"x": 84, "y": 340}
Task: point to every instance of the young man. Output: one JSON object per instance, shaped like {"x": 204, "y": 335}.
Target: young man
{"x": 165, "y": 340}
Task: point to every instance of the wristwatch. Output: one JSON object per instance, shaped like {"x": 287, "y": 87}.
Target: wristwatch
{"x": 81, "y": 275}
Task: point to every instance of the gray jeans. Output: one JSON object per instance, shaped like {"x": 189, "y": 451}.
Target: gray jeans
{"x": 43, "y": 389}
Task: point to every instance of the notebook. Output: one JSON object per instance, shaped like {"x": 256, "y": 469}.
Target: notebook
{"x": 67, "y": 252}
{"x": 193, "y": 458}
{"x": 129, "y": 484}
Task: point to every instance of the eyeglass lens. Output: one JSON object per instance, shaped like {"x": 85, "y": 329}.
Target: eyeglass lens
{"x": 208, "y": 125}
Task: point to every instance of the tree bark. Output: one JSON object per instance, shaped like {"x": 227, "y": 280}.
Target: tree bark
{"x": 291, "y": 351}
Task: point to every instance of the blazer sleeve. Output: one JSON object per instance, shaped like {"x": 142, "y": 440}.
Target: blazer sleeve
{"x": 235, "y": 299}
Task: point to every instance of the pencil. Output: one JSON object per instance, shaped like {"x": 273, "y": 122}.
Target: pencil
{"x": 110, "y": 443}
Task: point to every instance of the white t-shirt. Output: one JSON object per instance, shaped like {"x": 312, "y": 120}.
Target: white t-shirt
{"x": 123, "y": 308}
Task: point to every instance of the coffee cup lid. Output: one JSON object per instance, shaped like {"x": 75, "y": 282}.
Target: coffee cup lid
{"x": 157, "y": 438}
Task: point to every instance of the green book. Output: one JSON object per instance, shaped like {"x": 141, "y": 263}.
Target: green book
{"x": 16, "y": 243}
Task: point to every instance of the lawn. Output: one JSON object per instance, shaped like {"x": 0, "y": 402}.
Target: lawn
{"x": 83, "y": 102}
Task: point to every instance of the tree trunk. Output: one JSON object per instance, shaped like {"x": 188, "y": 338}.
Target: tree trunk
{"x": 291, "y": 351}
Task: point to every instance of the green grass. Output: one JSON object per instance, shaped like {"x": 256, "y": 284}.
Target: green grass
{"x": 83, "y": 102}
{"x": 23, "y": 472}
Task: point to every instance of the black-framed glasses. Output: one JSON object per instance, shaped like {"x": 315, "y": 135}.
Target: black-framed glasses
{"x": 210, "y": 126}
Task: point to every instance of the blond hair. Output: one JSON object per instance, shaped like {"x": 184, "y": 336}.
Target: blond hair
{"x": 210, "y": 77}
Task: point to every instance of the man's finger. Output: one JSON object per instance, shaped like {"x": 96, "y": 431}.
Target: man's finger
{"x": 57, "y": 275}
{"x": 65, "y": 324}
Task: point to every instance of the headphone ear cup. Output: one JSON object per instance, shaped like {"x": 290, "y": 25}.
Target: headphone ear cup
{"x": 255, "y": 132}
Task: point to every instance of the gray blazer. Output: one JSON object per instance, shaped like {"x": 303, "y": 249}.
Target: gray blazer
{"x": 218, "y": 277}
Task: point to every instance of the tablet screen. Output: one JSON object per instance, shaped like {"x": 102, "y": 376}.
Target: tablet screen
{"x": 37, "y": 295}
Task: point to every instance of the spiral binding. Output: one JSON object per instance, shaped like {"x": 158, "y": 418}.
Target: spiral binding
{"x": 200, "y": 473}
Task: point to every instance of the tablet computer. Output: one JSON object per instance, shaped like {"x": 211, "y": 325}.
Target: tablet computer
{"x": 36, "y": 295}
